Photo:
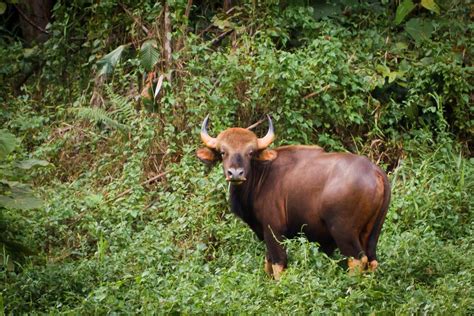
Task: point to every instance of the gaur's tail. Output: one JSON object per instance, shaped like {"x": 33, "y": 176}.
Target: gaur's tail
{"x": 374, "y": 234}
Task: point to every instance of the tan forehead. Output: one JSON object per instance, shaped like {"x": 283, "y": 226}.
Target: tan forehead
{"x": 236, "y": 137}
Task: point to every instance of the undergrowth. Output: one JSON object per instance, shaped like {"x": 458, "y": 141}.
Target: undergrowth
{"x": 131, "y": 221}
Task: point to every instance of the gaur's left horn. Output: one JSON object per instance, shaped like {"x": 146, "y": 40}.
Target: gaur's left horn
{"x": 209, "y": 141}
{"x": 264, "y": 142}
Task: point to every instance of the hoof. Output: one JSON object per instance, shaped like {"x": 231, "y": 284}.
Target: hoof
{"x": 356, "y": 265}
{"x": 277, "y": 271}
{"x": 268, "y": 267}
{"x": 373, "y": 265}
{"x": 364, "y": 261}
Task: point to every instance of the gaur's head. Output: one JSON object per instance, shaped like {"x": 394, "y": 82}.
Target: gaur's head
{"x": 236, "y": 147}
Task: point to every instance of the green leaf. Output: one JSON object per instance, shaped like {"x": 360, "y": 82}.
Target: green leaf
{"x": 430, "y": 5}
{"x": 107, "y": 63}
{"x": 8, "y": 142}
{"x": 30, "y": 163}
{"x": 3, "y": 7}
{"x": 403, "y": 10}
{"x": 149, "y": 54}
{"x": 98, "y": 115}
{"x": 383, "y": 70}
{"x": 223, "y": 24}
{"x": 419, "y": 29}
{"x": 19, "y": 196}
{"x": 401, "y": 46}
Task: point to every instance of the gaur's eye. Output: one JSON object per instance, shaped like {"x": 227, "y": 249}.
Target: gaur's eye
{"x": 250, "y": 152}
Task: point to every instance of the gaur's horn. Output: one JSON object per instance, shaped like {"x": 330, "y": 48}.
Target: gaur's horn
{"x": 206, "y": 139}
{"x": 264, "y": 142}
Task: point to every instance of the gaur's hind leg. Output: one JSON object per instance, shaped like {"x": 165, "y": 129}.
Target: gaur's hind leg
{"x": 368, "y": 245}
{"x": 350, "y": 246}
{"x": 369, "y": 251}
{"x": 373, "y": 264}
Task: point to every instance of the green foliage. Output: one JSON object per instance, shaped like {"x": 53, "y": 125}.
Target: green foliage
{"x": 133, "y": 223}
{"x": 30, "y": 163}
{"x": 3, "y": 7}
{"x": 107, "y": 63}
{"x": 430, "y": 5}
{"x": 97, "y": 116}
{"x": 149, "y": 54}
{"x": 419, "y": 29}
{"x": 403, "y": 9}
{"x": 14, "y": 194}
{"x": 407, "y": 6}
{"x": 8, "y": 143}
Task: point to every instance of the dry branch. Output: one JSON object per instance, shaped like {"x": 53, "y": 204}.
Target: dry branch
{"x": 312, "y": 94}
{"x": 148, "y": 181}
{"x": 27, "y": 19}
{"x": 218, "y": 39}
{"x": 256, "y": 124}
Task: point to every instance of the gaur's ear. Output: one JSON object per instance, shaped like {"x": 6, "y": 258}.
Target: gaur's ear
{"x": 266, "y": 155}
{"x": 207, "y": 156}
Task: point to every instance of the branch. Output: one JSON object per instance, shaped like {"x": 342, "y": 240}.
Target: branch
{"x": 167, "y": 40}
{"x": 143, "y": 183}
{"x": 27, "y": 19}
{"x": 210, "y": 26}
{"x": 134, "y": 18}
{"x": 218, "y": 39}
{"x": 256, "y": 124}
{"x": 188, "y": 8}
{"x": 312, "y": 94}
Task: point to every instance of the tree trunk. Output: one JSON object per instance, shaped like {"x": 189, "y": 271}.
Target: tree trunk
{"x": 167, "y": 40}
{"x": 34, "y": 16}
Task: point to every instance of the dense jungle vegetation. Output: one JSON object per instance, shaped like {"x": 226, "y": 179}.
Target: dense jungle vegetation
{"x": 104, "y": 207}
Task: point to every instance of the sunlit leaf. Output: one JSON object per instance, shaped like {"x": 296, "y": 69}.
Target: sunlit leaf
{"x": 8, "y": 142}
{"x": 30, "y": 163}
{"x": 3, "y": 7}
{"x": 430, "y": 5}
{"x": 223, "y": 24}
{"x": 403, "y": 10}
{"x": 149, "y": 54}
{"x": 107, "y": 63}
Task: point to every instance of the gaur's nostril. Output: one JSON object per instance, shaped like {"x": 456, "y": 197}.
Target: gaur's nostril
{"x": 235, "y": 173}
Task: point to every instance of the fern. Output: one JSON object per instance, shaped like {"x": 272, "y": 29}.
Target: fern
{"x": 99, "y": 115}
{"x": 122, "y": 109}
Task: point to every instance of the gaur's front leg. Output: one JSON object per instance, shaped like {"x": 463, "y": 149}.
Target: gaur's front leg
{"x": 276, "y": 253}
{"x": 268, "y": 265}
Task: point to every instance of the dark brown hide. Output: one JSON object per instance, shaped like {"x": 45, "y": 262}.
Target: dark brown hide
{"x": 337, "y": 199}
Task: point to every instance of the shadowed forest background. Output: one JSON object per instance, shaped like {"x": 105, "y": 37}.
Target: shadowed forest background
{"x": 105, "y": 208}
